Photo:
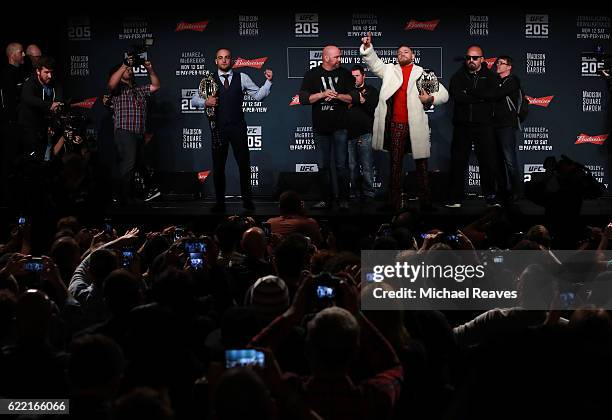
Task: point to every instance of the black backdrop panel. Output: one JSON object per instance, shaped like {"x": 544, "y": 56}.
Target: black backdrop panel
{"x": 550, "y": 48}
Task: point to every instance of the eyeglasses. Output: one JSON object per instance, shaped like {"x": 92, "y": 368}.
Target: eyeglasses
{"x": 472, "y": 57}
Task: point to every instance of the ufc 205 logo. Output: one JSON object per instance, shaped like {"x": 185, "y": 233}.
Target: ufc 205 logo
{"x": 536, "y": 26}
{"x": 306, "y": 25}
{"x": 590, "y": 66}
{"x": 79, "y": 29}
{"x": 316, "y": 58}
{"x": 186, "y": 105}
{"x": 254, "y": 137}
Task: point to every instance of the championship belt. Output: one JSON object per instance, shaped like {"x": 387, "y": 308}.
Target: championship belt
{"x": 428, "y": 82}
{"x": 208, "y": 88}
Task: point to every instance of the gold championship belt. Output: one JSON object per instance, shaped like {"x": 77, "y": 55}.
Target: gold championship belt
{"x": 208, "y": 87}
{"x": 428, "y": 82}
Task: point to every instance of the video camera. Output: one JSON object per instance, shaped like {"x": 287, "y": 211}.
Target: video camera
{"x": 72, "y": 124}
{"x": 133, "y": 57}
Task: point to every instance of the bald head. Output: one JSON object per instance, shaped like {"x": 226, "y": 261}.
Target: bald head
{"x": 474, "y": 57}
{"x": 331, "y": 57}
{"x": 254, "y": 242}
{"x": 33, "y": 53}
{"x": 14, "y": 53}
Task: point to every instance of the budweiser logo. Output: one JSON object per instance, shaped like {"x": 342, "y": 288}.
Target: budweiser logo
{"x": 585, "y": 138}
{"x": 202, "y": 175}
{"x": 85, "y": 103}
{"x": 295, "y": 100}
{"x": 490, "y": 61}
{"x": 543, "y": 101}
{"x": 255, "y": 63}
{"x": 195, "y": 26}
{"x": 430, "y": 25}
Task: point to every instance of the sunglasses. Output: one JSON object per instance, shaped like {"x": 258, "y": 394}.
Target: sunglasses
{"x": 472, "y": 57}
{"x": 501, "y": 63}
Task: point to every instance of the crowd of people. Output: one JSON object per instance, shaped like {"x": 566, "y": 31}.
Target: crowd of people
{"x": 136, "y": 322}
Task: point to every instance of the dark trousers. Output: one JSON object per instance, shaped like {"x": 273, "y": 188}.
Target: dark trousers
{"x": 511, "y": 182}
{"x": 10, "y": 141}
{"x": 129, "y": 150}
{"x": 483, "y": 138}
{"x": 237, "y": 137}
{"x": 335, "y": 142}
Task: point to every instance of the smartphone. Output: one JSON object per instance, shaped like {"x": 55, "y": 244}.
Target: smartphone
{"x": 108, "y": 227}
{"x": 267, "y": 228}
{"x": 384, "y": 230}
{"x": 452, "y": 238}
{"x": 34, "y": 265}
{"x": 326, "y": 292}
{"x": 244, "y": 357}
{"x": 196, "y": 260}
{"x": 567, "y": 299}
{"x": 179, "y": 233}
{"x": 21, "y": 221}
{"x": 127, "y": 256}
{"x": 195, "y": 246}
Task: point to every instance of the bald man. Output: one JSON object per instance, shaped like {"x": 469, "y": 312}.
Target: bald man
{"x": 329, "y": 89}
{"x": 472, "y": 89}
{"x": 33, "y": 54}
{"x": 11, "y": 82}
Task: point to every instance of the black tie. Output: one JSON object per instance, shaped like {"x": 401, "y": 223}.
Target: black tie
{"x": 226, "y": 81}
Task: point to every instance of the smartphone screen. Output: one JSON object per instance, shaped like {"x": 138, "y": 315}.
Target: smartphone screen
{"x": 127, "y": 256}
{"x": 108, "y": 227}
{"x": 325, "y": 292}
{"x": 244, "y": 357}
{"x": 195, "y": 246}
{"x": 196, "y": 260}
{"x": 267, "y": 228}
{"x": 34, "y": 266}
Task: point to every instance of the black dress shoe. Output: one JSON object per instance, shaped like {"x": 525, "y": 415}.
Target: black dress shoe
{"x": 218, "y": 208}
{"x": 248, "y": 205}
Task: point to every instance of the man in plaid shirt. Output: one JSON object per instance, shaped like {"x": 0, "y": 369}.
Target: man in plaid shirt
{"x": 130, "y": 108}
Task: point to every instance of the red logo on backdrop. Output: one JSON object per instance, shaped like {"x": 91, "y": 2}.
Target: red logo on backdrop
{"x": 85, "y": 103}
{"x": 543, "y": 101}
{"x": 585, "y": 138}
{"x": 255, "y": 63}
{"x": 430, "y": 25}
{"x": 195, "y": 26}
{"x": 295, "y": 100}
{"x": 490, "y": 61}
{"x": 202, "y": 175}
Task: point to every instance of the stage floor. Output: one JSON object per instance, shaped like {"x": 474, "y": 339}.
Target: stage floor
{"x": 266, "y": 207}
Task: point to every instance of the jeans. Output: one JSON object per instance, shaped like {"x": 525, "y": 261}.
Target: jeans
{"x": 512, "y": 182}
{"x": 128, "y": 146}
{"x": 337, "y": 141}
{"x": 360, "y": 154}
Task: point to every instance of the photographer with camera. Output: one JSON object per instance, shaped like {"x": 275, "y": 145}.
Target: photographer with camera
{"x": 130, "y": 108}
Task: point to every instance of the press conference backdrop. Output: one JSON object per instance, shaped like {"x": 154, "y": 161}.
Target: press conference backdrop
{"x": 553, "y": 53}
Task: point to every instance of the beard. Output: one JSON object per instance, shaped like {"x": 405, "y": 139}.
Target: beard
{"x": 404, "y": 61}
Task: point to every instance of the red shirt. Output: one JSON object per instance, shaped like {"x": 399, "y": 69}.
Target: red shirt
{"x": 400, "y": 107}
